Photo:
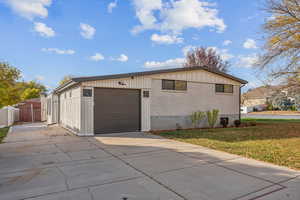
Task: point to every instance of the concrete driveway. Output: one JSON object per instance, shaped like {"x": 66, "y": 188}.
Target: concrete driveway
{"x": 49, "y": 163}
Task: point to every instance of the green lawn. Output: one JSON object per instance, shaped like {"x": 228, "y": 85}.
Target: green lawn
{"x": 274, "y": 141}
{"x": 3, "y": 132}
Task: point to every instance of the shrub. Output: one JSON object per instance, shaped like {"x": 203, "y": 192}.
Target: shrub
{"x": 237, "y": 123}
{"x": 212, "y": 117}
{"x": 224, "y": 121}
{"x": 293, "y": 108}
{"x": 252, "y": 123}
{"x": 269, "y": 106}
{"x": 196, "y": 117}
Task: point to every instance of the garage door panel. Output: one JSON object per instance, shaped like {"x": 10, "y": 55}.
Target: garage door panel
{"x": 116, "y": 110}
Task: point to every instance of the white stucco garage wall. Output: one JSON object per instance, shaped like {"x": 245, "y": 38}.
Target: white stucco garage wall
{"x": 198, "y": 97}
{"x": 172, "y": 109}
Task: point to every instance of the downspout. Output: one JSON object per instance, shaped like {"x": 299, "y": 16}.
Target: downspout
{"x": 240, "y": 96}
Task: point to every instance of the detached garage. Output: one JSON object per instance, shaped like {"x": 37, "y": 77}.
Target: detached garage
{"x": 143, "y": 101}
{"x": 116, "y": 110}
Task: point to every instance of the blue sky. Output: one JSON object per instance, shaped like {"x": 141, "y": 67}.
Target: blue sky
{"x": 48, "y": 39}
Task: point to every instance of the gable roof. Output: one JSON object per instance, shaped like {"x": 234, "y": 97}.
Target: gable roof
{"x": 161, "y": 71}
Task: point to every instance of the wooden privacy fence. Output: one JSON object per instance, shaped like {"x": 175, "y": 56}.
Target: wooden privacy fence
{"x": 30, "y": 112}
{"x": 8, "y": 115}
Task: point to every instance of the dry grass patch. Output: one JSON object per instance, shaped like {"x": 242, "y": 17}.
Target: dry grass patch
{"x": 274, "y": 141}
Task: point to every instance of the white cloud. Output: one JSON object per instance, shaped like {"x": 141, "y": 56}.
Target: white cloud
{"x": 185, "y": 14}
{"x": 166, "y": 39}
{"x": 122, "y": 58}
{"x": 254, "y": 84}
{"x": 250, "y": 44}
{"x": 247, "y": 60}
{"x": 144, "y": 10}
{"x": 59, "y": 51}
{"x": 177, "y": 62}
{"x": 49, "y": 87}
{"x": 185, "y": 50}
{"x": 111, "y": 6}
{"x": 39, "y": 77}
{"x": 175, "y": 16}
{"x": 22, "y": 75}
{"x": 227, "y": 42}
{"x": 97, "y": 57}
{"x": 87, "y": 31}
{"x": 272, "y": 17}
{"x": 224, "y": 53}
{"x": 43, "y": 29}
{"x": 30, "y": 8}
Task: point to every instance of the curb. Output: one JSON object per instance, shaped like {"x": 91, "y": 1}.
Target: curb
{"x": 10, "y": 130}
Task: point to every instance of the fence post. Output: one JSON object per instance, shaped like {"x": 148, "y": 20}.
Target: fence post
{"x": 32, "y": 118}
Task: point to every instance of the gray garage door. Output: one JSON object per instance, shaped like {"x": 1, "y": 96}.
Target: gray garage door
{"x": 116, "y": 110}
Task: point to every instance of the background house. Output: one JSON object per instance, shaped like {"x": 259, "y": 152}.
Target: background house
{"x": 143, "y": 101}
{"x": 257, "y": 98}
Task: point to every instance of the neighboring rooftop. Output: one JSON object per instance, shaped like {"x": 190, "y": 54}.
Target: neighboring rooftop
{"x": 262, "y": 92}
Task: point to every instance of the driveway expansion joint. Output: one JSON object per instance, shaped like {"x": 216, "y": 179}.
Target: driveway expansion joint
{"x": 145, "y": 174}
{"x": 262, "y": 195}
{"x": 246, "y": 174}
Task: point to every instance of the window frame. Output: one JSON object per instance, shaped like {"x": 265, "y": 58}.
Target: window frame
{"x": 146, "y": 94}
{"x": 90, "y": 92}
{"x": 224, "y": 88}
{"x": 174, "y": 85}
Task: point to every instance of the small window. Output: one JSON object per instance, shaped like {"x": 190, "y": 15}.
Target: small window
{"x": 228, "y": 88}
{"x": 65, "y": 95}
{"x": 174, "y": 85}
{"x": 146, "y": 94}
{"x": 87, "y": 92}
{"x": 70, "y": 94}
{"x": 224, "y": 88}
{"x": 181, "y": 85}
{"x": 168, "y": 85}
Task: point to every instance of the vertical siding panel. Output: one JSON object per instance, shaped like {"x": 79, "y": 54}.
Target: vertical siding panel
{"x": 87, "y": 115}
{"x": 70, "y": 109}
{"x": 146, "y": 102}
{"x": 135, "y": 83}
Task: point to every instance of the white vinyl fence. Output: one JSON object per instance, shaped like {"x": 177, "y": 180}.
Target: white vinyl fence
{"x": 8, "y": 115}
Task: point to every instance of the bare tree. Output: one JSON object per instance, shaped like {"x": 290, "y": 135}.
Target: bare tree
{"x": 282, "y": 33}
{"x": 207, "y": 57}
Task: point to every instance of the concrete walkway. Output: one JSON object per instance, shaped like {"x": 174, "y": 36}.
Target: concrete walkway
{"x": 49, "y": 163}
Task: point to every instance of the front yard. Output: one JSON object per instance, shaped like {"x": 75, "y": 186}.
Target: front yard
{"x": 3, "y": 132}
{"x": 274, "y": 141}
